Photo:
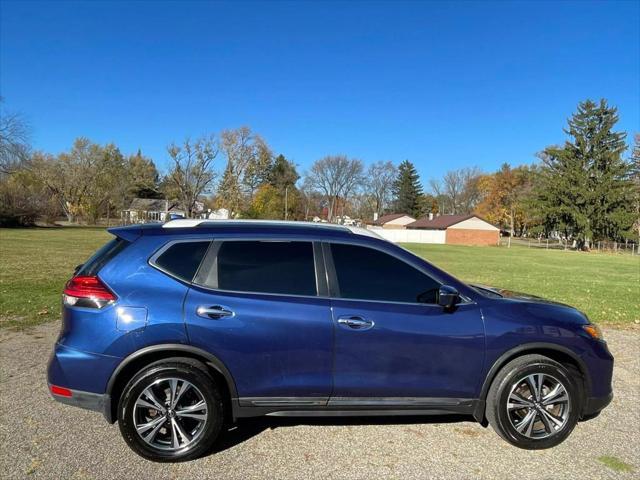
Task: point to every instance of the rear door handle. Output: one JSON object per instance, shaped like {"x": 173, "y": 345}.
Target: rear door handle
{"x": 215, "y": 312}
{"x": 355, "y": 322}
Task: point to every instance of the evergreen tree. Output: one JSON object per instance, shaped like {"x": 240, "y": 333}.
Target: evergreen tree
{"x": 143, "y": 177}
{"x": 282, "y": 173}
{"x": 584, "y": 188}
{"x": 407, "y": 190}
{"x": 282, "y": 176}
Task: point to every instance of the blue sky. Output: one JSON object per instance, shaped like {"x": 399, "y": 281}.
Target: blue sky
{"x": 444, "y": 85}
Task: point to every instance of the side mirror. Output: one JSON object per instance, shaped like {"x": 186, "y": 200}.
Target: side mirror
{"x": 448, "y": 297}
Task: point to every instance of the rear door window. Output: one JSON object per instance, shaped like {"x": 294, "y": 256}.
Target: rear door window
{"x": 280, "y": 267}
{"x": 182, "y": 259}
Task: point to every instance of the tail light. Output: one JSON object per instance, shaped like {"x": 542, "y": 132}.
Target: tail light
{"x": 87, "y": 291}
{"x": 60, "y": 391}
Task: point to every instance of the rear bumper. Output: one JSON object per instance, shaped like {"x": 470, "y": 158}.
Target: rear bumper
{"x": 87, "y": 400}
{"x": 84, "y": 375}
{"x": 594, "y": 405}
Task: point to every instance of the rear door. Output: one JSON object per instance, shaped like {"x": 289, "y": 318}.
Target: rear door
{"x": 255, "y": 305}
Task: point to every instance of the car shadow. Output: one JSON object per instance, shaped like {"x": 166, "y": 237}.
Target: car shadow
{"x": 246, "y": 428}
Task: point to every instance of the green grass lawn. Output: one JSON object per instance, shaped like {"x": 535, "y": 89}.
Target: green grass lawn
{"x": 35, "y": 264}
{"x": 604, "y": 286}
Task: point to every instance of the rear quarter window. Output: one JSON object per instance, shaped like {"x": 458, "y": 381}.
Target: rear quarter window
{"x": 181, "y": 259}
{"x": 103, "y": 256}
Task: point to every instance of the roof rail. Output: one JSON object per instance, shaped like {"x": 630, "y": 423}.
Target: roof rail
{"x": 183, "y": 223}
{"x": 191, "y": 223}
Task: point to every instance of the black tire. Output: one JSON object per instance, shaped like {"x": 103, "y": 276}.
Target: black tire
{"x": 508, "y": 379}
{"x": 183, "y": 369}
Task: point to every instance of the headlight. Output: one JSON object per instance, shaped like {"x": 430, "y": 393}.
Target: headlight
{"x": 594, "y": 331}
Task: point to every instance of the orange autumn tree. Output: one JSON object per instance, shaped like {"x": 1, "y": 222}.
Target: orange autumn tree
{"x": 503, "y": 195}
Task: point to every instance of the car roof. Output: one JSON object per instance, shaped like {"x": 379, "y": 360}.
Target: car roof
{"x": 196, "y": 226}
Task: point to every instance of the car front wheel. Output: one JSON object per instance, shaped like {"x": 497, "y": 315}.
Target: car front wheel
{"x": 534, "y": 402}
{"x": 171, "y": 411}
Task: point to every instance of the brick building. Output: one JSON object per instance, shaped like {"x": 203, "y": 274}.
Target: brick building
{"x": 460, "y": 229}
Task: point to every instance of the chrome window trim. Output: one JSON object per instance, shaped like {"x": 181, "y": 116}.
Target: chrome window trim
{"x": 466, "y": 301}
{"x": 415, "y": 304}
{"x": 242, "y": 292}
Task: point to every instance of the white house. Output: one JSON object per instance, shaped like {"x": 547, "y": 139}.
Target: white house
{"x": 144, "y": 210}
{"x": 219, "y": 214}
{"x": 444, "y": 229}
{"x": 393, "y": 221}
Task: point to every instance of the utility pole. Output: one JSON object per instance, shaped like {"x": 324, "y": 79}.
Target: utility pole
{"x": 286, "y": 202}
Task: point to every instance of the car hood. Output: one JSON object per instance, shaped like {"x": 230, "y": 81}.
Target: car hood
{"x": 504, "y": 293}
{"x": 537, "y": 306}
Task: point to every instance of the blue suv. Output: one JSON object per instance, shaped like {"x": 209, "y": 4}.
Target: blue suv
{"x": 175, "y": 330}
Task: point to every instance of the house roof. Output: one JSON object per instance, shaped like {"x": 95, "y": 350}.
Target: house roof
{"x": 442, "y": 222}
{"x": 388, "y": 218}
{"x": 149, "y": 205}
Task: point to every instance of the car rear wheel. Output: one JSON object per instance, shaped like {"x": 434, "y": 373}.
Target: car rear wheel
{"x": 171, "y": 411}
{"x": 534, "y": 402}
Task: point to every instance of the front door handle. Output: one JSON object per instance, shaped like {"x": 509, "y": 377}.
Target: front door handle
{"x": 215, "y": 312}
{"x": 355, "y": 322}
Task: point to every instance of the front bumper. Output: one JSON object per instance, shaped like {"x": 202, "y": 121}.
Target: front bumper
{"x": 594, "y": 405}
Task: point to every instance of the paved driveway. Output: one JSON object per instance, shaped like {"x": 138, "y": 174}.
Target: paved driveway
{"x": 40, "y": 438}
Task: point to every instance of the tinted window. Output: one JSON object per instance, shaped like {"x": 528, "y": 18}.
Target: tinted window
{"x": 182, "y": 259}
{"x": 368, "y": 274}
{"x": 103, "y": 256}
{"x": 267, "y": 267}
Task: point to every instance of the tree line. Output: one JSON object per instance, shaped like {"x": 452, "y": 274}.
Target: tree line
{"x": 585, "y": 190}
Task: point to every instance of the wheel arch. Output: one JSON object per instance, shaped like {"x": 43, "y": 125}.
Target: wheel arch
{"x": 137, "y": 360}
{"x": 556, "y": 352}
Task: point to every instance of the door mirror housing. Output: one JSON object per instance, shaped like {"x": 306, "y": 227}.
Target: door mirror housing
{"x": 448, "y": 297}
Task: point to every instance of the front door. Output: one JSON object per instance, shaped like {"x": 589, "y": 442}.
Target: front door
{"x": 393, "y": 343}
{"x": 256, "y": 307}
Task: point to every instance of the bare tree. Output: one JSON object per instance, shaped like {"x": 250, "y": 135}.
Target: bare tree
{"x": 437, "y": 191}
{"x": 379, "y": 184}
{"x": 14, "y": 141}
{"x": 311, "y": 203}
{"x": 335, "y": 177}
{"x": 192, "y": 173}
{"x": 460, "y": 189}
{"x": 453, "y": 185}
{"x": 470, "y": 195}
{"x": 257, "y": 170}
{"x": 248, "y": 161}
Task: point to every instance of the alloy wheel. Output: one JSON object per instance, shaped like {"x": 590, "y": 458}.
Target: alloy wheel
{"x": 170, "y": 414}
{"x": 538, "y": 406}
